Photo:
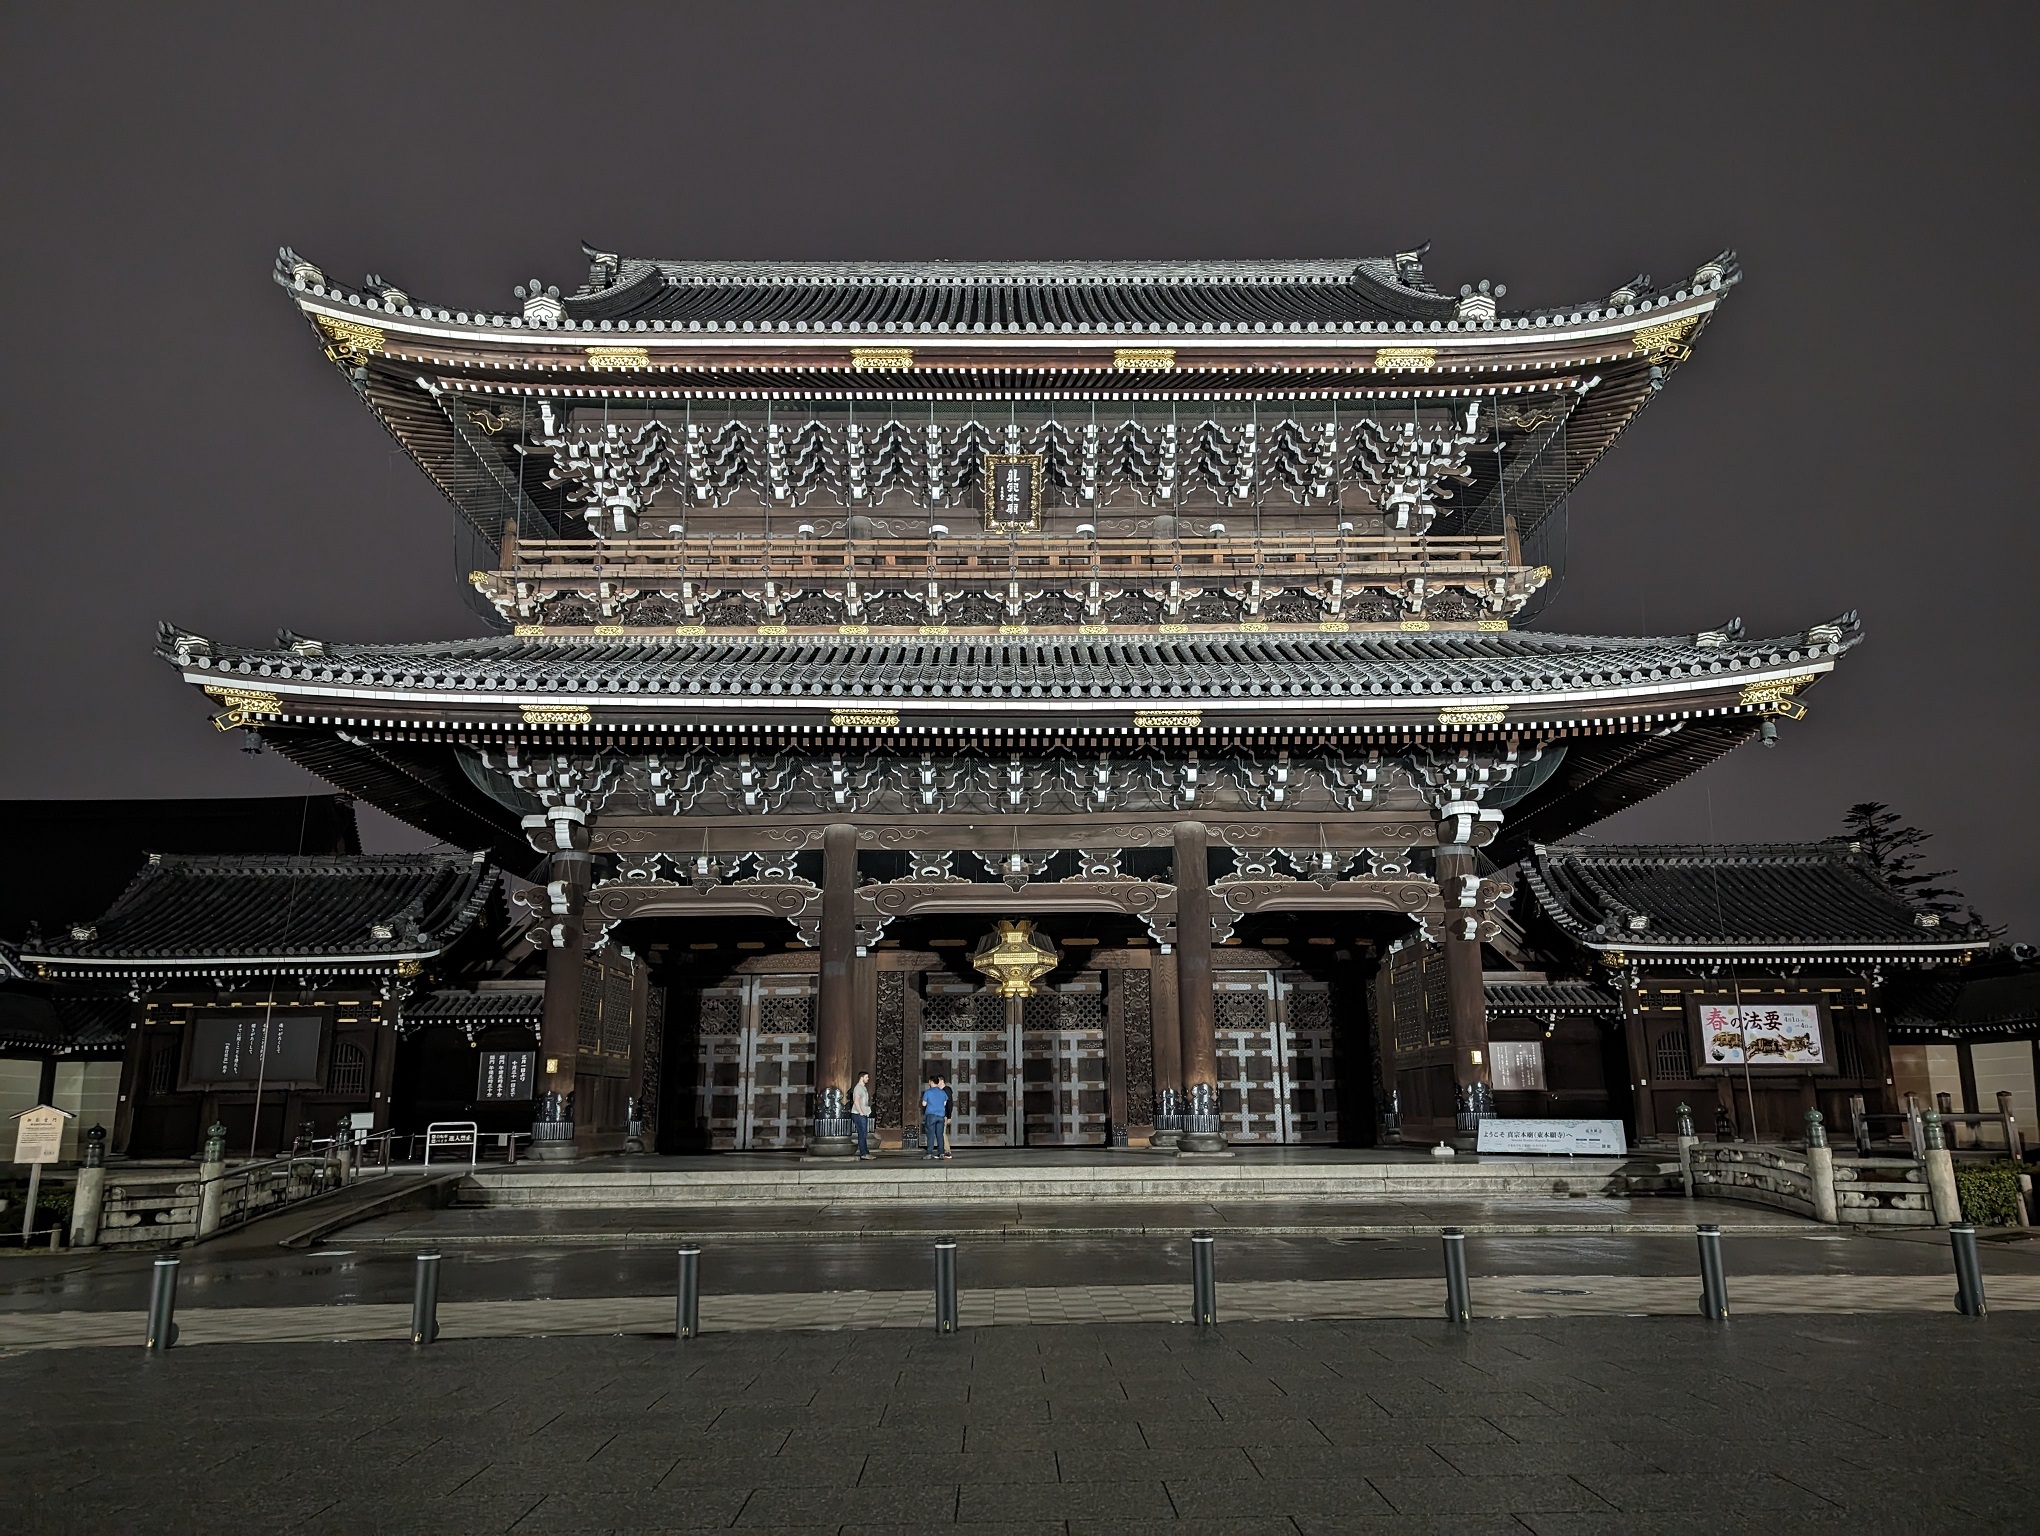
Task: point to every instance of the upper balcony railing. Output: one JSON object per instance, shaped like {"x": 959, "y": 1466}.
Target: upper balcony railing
{"x": 983, "y": 556}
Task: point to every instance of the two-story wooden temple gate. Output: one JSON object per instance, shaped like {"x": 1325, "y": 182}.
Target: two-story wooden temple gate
{"x": 846, "y": 594}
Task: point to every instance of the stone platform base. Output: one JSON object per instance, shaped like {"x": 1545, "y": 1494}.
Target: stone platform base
{"x": 1290, "y": 1174}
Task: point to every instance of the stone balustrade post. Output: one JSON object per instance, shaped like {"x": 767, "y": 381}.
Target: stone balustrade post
{"x": 212, "y": 1191}
{"x": 1939, "y": 1165}
{"x": 1820, "y": 1170}
{"x": 1688, "y": 1141}
{"x": 88, "y": 1201}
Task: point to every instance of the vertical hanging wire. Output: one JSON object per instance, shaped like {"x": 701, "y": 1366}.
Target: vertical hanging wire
{"x": 269, "y": 1009}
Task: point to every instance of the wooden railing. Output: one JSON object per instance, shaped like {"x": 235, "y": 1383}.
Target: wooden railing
{"x": 982, "y": 557}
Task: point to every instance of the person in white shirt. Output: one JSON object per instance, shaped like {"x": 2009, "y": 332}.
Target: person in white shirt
{"x": 860, "y": 1114}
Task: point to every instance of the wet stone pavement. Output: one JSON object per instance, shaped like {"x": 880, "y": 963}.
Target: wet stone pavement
{"x": 1857, "y": 1424}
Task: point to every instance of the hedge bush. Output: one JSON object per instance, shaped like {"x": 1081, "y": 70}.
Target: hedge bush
{"x": 1989, "y": 1193}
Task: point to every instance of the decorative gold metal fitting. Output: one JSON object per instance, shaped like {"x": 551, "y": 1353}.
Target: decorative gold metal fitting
{"x": 881, "y": 359}
{"x": 1776, "y": 690}
{"x": 1144, "y": 359}
{"x": 1405, "y": 359}
{"x": 556, "y": 714}
{"x": 1492, "y": 626}
{"x": 348, "y": 341}
{"x": 1473, "y": 714}
{"x": 1415, "y": 626}
{"x": 608, "y": 629}
{"x": 1167, "y": 719}
{"x": 619, "y": 359}
{"x": 527, "y": 631}
{"x": 1014, "y": 957}
{"x": 1667, "y": 342}
{"x": 865, "y": 719}
{"x": 242, "y": 705}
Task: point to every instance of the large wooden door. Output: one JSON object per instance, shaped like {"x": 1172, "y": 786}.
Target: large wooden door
{"x": 1063, "y": 1065}
{"x": 1276, "y": 1080}
{"x": 757, "y": 1048}
{"x": 1252, "y": 1085}
{"x": 966, "y": 1038}
{"x": 1303, "y": 1023}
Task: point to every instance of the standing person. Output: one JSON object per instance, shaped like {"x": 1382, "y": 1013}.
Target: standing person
{"x": 860, "y": 1114}
{"x": 948, "y": 1114}
{"x": 934, "y": 1111}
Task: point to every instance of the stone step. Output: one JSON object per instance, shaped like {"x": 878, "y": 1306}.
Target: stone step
{"x": 1133, "y": 1176}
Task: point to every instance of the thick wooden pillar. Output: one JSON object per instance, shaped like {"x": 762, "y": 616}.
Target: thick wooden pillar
{"x": 1465, "y": 992}
{"x": 836, "y": 1004}
{"x": 1195, "y": 1023}
{"x": 559, "y": 1044}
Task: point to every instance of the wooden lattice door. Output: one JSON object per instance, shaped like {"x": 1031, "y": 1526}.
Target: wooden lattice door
{"x": 1252, "y": 1083}
{"x": 757, "y": 1062}
{"x": 1304, "y": 1037}
{"x": 1063, "y": 1066}
{"x": 966, "y": 1038}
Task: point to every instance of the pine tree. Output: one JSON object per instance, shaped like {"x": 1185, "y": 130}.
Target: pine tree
{"x": 1892, "y": 845}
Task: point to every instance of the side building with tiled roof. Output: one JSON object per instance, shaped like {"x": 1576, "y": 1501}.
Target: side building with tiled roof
{"x": 1751, "y": 978}
{"x": 264, "y": 992}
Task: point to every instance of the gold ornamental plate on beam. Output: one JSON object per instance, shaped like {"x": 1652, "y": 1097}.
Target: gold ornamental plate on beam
{"x": 1013, "y": 490}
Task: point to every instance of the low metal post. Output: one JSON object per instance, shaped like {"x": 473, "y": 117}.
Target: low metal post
{"x": 1968, "y": 1271}
{"x": 1458, "y": 1297}
{"x": 687, "y": 1310}
{"x": 1713, "y": 1280}
{"x": 162, "y": 1306}
{"x": 425, "y": 1300}
{"x": 945, "y": 1285}
{"x": 1203, "y": 1280}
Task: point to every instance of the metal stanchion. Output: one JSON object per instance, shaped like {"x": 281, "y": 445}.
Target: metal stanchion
{"x": 1203, "y": 1283}
{"x": 425, "y": 1300}
{"x": 945, "y": 1285}
{"x": 687, "y": 1311}
{"x": 1458, "y": 1297}
{"x": 1713, "y": 1282}
{"x": 1968, "y": 1271}
{"x": 162, "y": 1306}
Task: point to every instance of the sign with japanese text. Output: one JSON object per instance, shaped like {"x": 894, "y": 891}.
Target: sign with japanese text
{"x": 1575, "y": 1138}
{"x": 1766, "y": 1035}
{"x": 1013, "y": 490}
{"x": 506, "y": 1075}
{"x": 39, "y": 1134}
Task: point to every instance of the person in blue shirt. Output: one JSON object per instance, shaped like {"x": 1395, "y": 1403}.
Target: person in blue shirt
{"x": 934, "y": 1119}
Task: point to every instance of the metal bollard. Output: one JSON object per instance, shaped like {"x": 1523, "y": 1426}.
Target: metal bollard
{"x": 1713, "y": 1282}
{"x": 1203, "y": 1283}
{"x": 425, "y": 1300}
{"x": 945, "y": 1285}
{"x": 1968, "y": 1271}
{"x": 687, "y": 1313}
{"x": 1458, "y": 1296}
{"x": 162, "y": 1306}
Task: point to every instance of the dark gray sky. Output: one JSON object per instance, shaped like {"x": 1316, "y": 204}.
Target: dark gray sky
{"x": 1855, "y": 432}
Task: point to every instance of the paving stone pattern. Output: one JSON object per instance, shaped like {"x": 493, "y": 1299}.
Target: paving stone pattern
{"x": 1560, "y": 1427}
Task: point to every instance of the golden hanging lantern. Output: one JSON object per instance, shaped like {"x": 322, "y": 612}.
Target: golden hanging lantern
{"x": 1014, "y": 957}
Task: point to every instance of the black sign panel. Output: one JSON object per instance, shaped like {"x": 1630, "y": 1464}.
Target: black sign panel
{"x": 1013, "y": 490}
{"x": 506, "y": 1075}
{"x": 232, "y": 1050}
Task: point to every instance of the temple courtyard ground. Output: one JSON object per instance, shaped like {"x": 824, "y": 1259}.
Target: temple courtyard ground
{"x": 1857, "y": 1423}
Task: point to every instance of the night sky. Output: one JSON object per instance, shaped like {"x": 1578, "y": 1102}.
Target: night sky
{"x": 1853, "y": 433}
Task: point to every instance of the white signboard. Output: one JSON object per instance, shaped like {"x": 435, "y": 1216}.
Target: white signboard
{"x": 1580, "y": 1138}
{"x": 39, "y": 1134}
{"x": 1781, "y": 1035}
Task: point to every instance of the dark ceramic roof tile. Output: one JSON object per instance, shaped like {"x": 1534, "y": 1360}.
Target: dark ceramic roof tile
{"x": 1471, "y": 662}
{"x": 186, "y": 907}
{"x": 1763, "y": 895}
